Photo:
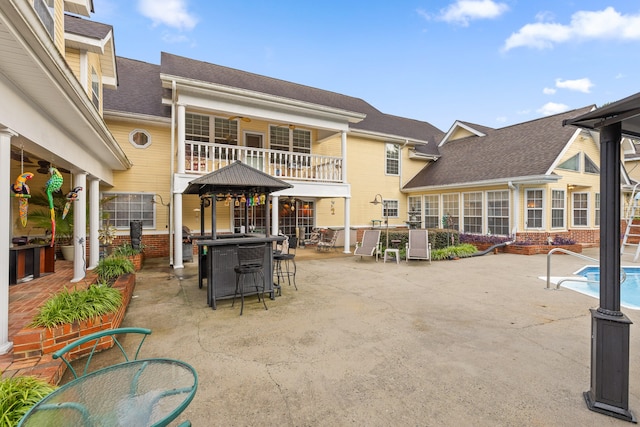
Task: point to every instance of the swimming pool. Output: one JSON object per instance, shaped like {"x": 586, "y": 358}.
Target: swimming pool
{"x": 629, "y": 289}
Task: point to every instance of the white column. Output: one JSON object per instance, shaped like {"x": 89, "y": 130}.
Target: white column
{"x": 343, "y": 139}
{"x": 274, "y": 215}
{"x": 5, "y": 236}
{"x": 347, "y": 225}
{"x": 94, "y": 222}
{"x": 177, "y": 232}
{"x": 181, "y": 137}
{"x": 80, "y": 228}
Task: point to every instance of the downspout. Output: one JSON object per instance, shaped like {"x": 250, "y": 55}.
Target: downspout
{"x": 516, "y": 208}
{"x": 172, "y": 167}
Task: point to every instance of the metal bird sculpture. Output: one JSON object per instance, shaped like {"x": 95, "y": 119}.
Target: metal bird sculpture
{"x": 53, "y": 184}
{"x": 72, "y": 196}
{"x": 21, "y": 190}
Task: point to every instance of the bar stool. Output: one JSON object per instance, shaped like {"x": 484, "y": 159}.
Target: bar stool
{"x": 285, "y": 265}
{"x": 250, "y": 263}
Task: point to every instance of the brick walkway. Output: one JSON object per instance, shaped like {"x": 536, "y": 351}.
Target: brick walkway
{"x": 24, "y": 300}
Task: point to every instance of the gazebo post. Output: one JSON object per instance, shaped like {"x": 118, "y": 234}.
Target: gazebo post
{"x": 609, "y": 393}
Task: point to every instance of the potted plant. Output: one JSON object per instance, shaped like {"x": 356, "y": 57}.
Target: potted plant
{"x": 111, "y": 267}
{"x": 40, "y": 217}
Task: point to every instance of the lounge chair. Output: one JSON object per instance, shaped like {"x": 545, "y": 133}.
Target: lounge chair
{"x": 418, "y": 246}
{"x": 370, "y": 244}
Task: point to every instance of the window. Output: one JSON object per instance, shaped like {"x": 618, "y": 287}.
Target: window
{"x": 95, "y": 88}
{"x": 44, "y": 10}
{"x": 590, "y": 166}
{"x": 257, "y": 217}
{"x": 534, "y": 209}
{"x": 225, "y": 131}
{"x": 580, "y": 209}
{"x": 415, "y": 209}
{"x": 392, "y": 166}
{"x": 472, "y": 212}
{"x": 597, "y": 208}
{"x": 122, "y": 208}
{"x": 196, "y": 127}
{"x": 390, "y": 208}
{"x": 431, "y": 212}
{"x": 139, "y": 138}
{"x": 284, "y": 138}
{"x": 498, "y": 212}
{"x": 572, "y": 164}
{"x": 451, "y": 209}
{"x": 557, "y": 208}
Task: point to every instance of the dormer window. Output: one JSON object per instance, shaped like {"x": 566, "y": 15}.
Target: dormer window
{"x": 95, "y": 88}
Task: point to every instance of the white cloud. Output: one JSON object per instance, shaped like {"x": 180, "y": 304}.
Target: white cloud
{"x": 501, "y": 119}
{"x": 463, "y": 11}
{"x": 172, "y": 13}
{"x": 579, "y": 85}
{"x": 548, "y": 91}
{"x": 552, "y": 108}
{"x": 584, "y": 25}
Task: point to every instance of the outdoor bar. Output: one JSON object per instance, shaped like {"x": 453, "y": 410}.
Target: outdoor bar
{"x": 218, "y": 253}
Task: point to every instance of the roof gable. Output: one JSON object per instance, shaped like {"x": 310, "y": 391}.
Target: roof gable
{"x": 523, "y": 150}
{"x": 461, "y": 130}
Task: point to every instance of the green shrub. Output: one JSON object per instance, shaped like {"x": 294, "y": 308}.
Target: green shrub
{"x": 459, "y": 251}
{"x": 19, "y": 394}
{"x": 72, "y": 306}
{"x": 111, "y": 267}
{"x": 126, "y": 250}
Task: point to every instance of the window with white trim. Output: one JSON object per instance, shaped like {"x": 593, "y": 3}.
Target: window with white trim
{"x": 390, "y": 208}
{"x": 392, "y": 159}
{"x": 572, "y": 164}
{"x": 225, "y": 131}
{"x": 597, "y": 209}
{"x": 139, "y": 138}
{"x": 122, "y": 208}
{"x": 498, "y": 212}
{"x": 414, "y": 209}
{"x": 196, "y": 127}
{"x": 534, "y": 203}
{"x": 432, "y": 211}
{"x": 285, "y": 138}
{"x": 557, "y": 208}
{"x": 580, "y": 209}
{"x": 95, "y": 88}
{"x": 590, "y": 166}
{"x": 451, "y": 210}
{"x": 472, "y": 212}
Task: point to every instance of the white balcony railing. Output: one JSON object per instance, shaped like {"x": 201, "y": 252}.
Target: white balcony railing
{"x": 202, "y": 158}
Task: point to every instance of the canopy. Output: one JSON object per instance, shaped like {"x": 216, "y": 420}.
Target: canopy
{"x": 237, "y": 177}
{"x": 625, "y": 111}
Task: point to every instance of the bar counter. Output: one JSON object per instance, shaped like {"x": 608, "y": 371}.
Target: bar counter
{"x": 219, "y": 257}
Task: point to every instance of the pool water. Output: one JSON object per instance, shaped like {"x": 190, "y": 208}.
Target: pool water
{"x": 629, "y": 289}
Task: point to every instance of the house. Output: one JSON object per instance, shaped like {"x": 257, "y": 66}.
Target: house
{"x": 534, "y": 180}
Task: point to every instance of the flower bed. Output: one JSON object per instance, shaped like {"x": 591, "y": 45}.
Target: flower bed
{"x": 37, "y": 342}
{"x": 539, "y": 249}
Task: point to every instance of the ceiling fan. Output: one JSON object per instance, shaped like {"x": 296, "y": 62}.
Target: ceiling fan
{"x": 45, "y": 165}
{"x": 18, "y": 157}
{"x": 244, "y": 119}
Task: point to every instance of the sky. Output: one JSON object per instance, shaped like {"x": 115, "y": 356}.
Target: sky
{"x": 489, "y": 62}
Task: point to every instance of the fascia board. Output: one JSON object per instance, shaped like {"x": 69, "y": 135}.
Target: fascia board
{"x": 387, "y": 137}
{"x": 533, "y": 180}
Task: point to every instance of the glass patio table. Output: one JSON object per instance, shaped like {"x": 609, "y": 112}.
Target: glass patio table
{"x": 147, "y": 392}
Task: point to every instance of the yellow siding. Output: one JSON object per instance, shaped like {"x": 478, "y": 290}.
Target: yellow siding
{"x": 58, "y": 18}
{"x": 150, "y": 173}
{"x": 73, "y": 60}
{"x": 459, "y": 133}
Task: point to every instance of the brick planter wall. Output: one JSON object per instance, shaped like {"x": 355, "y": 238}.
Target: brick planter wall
{"x": 539, "y": 249}
{"x": 37, "y": 342}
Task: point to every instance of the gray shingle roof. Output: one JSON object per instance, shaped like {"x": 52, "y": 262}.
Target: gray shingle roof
{"x": 236, "y": 177}
{"x": 375, "y": 121}
{"x": 139, "y": 90}
{"x": 524, "y": 149}
{"x": 85, "y": 27}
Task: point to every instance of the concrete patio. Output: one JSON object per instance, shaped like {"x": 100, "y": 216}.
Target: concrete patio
{"x": 473, "y": 342}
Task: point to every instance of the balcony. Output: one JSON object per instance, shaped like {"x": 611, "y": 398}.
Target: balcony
{"x": 202, "y": 158}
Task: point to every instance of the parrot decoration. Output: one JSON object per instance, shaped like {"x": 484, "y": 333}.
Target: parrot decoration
{"x": 53, "y": 184}
{"x": 72, "y": 196}
{"x": 22, "y": 192}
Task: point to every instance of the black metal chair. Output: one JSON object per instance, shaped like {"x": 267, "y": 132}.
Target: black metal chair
{"x": 250, "y": 263}
{"x": 285, "y": 265}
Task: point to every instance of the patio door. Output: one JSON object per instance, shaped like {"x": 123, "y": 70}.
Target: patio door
{"x": 254, "y": 158}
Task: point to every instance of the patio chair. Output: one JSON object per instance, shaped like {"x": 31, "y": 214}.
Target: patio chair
{"x": 329, "y": 242}
{"x": 101, "y": 340}
{"x": 370, "y": 245}
{"x": 418, "y": 246}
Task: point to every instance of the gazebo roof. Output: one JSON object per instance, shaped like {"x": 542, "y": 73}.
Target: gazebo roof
{"x": 625, "y": 111}
{"x": 233, "y": 178}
